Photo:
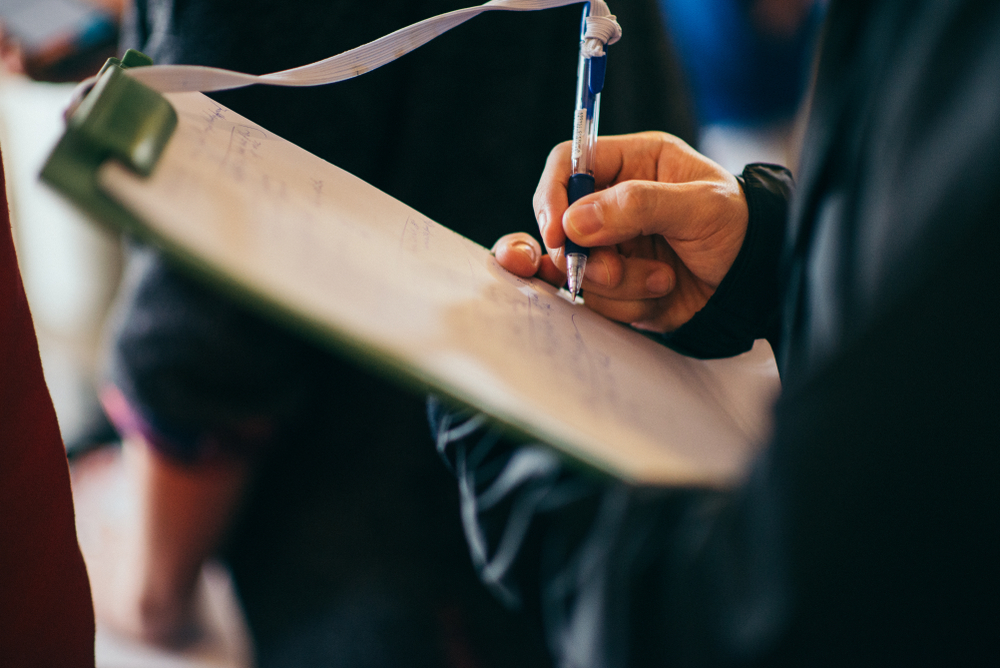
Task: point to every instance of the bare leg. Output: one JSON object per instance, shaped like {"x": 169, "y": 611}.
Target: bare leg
{"x": 146, "y": 568}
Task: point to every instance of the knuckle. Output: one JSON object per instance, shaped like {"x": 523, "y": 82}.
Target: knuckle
{"x": 673, "y": 142}
{"x": 632, "y": 199}
{"x": 560, "y": 151}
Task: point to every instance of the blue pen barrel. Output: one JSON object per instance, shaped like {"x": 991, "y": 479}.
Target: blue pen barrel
{"x": 579, "y": 185}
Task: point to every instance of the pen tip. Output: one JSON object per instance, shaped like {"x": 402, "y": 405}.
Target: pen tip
{"x": 574, "y": 276}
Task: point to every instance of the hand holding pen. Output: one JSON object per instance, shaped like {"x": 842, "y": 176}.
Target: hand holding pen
{"x": 664, "y": 228}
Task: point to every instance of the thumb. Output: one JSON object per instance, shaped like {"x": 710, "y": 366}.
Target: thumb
{"x": 690, "y": 211}
{"x": 518, "y": 253}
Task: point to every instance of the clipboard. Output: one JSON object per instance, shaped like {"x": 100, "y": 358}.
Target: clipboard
{"x": 339, "y": 261}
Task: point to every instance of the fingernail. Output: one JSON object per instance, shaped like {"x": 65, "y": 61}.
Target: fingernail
{"x": 597, "y": 272}
{"x": 525, "y": 247}
{"x": 659, "y": 282}
{"x": 584, "y": 219}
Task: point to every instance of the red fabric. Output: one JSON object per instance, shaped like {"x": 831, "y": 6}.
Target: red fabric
{"x": 46, "y": 615}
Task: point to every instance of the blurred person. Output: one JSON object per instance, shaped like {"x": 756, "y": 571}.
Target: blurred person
{"x": 865, "y": 531}
{"x": 67, "y": 41}
{"x": 46, "y": 616}
{"x": 746, "y": 63}
{"x": 345, "y": 542}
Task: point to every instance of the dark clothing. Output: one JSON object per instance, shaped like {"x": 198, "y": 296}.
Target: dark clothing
{"x": 351, "y": 520}
{"x": 867, "y": 532}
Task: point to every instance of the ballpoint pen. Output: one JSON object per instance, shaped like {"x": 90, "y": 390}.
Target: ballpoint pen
{"x": 589, "y": 82}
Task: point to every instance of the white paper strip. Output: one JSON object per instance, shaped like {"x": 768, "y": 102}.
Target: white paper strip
{"x": 602, "y": 29}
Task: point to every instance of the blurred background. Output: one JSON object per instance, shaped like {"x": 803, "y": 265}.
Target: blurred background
{"x": 71, "y": 269}
{"x": 746, "y": 64}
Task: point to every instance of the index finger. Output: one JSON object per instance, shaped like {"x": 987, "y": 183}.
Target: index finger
{"x": 550, "y": 200}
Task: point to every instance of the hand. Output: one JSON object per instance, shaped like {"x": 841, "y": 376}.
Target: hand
{"x": 664, "y": 227}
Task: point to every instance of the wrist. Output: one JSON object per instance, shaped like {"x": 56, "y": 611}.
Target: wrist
{"x": 744, "y": 307}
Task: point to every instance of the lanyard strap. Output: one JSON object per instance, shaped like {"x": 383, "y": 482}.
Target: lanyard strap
{"x": 602, "y": 29}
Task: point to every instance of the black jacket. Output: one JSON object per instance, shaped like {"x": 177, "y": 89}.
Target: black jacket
{"x": 867, "y": 532}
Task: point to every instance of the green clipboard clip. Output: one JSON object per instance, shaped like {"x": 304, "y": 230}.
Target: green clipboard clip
{"x": 119, "y": 119}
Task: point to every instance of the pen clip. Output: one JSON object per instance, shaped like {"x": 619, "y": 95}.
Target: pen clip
{"x": 595, "y": 83}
